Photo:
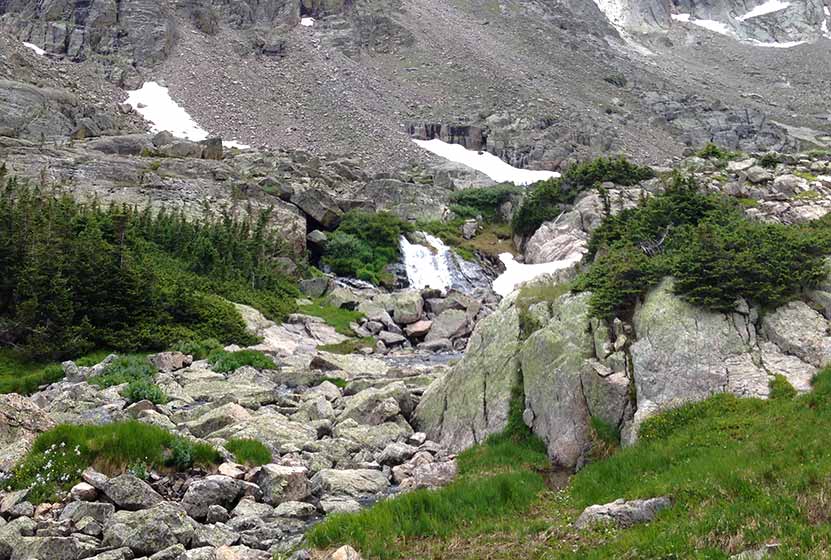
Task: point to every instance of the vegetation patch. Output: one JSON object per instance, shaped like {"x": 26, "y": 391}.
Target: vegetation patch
{"x": 59, "y": 456}
{"x": 337, "y": 317}
{"x": 249, "y": 452}
{"x": 79, "y": 276}
{"x": 125, "y": 369}
{"x": 484, "y": 202}
{"x": 714, "y": 252}
{"x": 364, "y": 244}
{"x": 712, "y": 151}
{"x": 198, "y": 349}
{"x": 224, "y": 362}
{"x": 144, "y": 390}
{"x": 349, "y": 346}
{"x": 545, "y": 200}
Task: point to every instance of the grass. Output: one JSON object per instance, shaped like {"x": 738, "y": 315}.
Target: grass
{"x": 224, "y": 362}
{"x": 18, "y": 375}
{"x": 807, "y": 175}
{"x": 349, "y": 346}
{"x": 59, "y": 456}
{"x": 742, "y": 473}
{"x": 199, "y": 349}
{"x": 807, "y": 195}
{"x": 144, "y": 390}
{"x": 336, "y": 317}
{"x": 249, "y": 452}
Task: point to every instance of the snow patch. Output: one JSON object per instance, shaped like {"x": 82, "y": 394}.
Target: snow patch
{"x": 685, "y": 18}
{"x": 714, "y": 26}
{"x": 485, "y": 162}
{"x": 769, "y": 7}
{"x": 307, "y": 21}
{"x": 782, "y": 45}
{"x": 518, "y": 273}
{"x": 153, "y": 102}
{"x": 615, "y": 11}
{"x": 38, "y": 51}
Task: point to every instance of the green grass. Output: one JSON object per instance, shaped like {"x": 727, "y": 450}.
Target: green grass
{"x": 337, "y": 382}
{"x": 224, "y": 362}
{"x": 144, "y": 390}
{"x": 349, "y": 346}
{"x": 336, "y": 317}
{"x": 199, "y": 349}
{"x": 807, "y": 195}
{"x": 19, "y": 375}
{"x": 249, "y": 452}
{"x": 741, "y": 473}
{"x": 60, "y": 455}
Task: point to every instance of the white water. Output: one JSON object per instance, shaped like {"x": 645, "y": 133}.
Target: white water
{"x": 153, "y": 102}
{"x": 485, "y": 162}
{"x": 518, "y": 273}
{"x": 427, "y": 267}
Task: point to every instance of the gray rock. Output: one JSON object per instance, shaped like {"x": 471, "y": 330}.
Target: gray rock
{"x": 622, "y": 513}
{"x": 799, "y": 330}
{"x": 131, "y": 493}
{"x": 212, "y": 490}
{"x": 21, "y": 420}
{"x": 75, "y": 511}
{"x": 396, "y": 453}
{"x": 315, "y": 287}
{"x": 758, "y": 175}
{"x": 407, "y": 307}
{"x": 170, "y": 361}
{"x": 451, "y": 324}
{"x": 149, "y": 531}
{"x": 282, "y": 484}
{"x": 320, "y": 206}
{"x": 357, "y": 483}
{"x": 298, "y": 510}
{"x": 174, "y": 552}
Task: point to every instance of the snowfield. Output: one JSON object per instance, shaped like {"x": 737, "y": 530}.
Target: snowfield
{"x": 485, "y": 162}
{"x": 518, "y": 273}
{"x": 153, "y": 102}
{"x": 769, "y": 7}
{"x": 38, "y": 51}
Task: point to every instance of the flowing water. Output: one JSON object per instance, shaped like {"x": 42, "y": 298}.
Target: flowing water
{"x": 435, "y": 265}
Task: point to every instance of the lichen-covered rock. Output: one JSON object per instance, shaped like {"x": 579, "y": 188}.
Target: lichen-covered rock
{"x": 21, "y": 420}
{"x": 149, "y": 531}
{"x": 622, "y": 513}
{"x": 282, "y": 484}
{"x": 685, "y": 354}
{"x": 799, "y": 330}
{"x": 211, "y": 490}
{"x": 471, "y": 400}
{"x": 357, "y": 483}
{"x": 553, "y": 360}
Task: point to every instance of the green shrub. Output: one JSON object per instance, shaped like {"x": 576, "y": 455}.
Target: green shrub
{"x": 484, "y": 201}
{"x": 364, "y": 244}
{"x": 58, "y": 456}
{"x": 712, "y": 151}
{"x": 545, "y": 199}
{"x": 125, "y": 369}
{"x": 141, "y": 390}
{"x": 199, "y": 349}
{"x": 704, "y": 241}
{"x": 223, "y": 362}
{"x": 770, "y": 160}
{"x": 249, "y": 451}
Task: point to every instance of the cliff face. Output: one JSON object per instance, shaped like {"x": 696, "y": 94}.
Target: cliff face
{"x": 574, "y": 368}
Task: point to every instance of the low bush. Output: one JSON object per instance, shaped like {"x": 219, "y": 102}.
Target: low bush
{"x": 712, "y": 151}
{"x": 144, "y": 390}
{"x": 59, "y": 456}
{"x": 484, "y": 201}
{"x": 125, "y": 369}
{"x": 364, "y": 244}
{"x": 705, "y": 242}
{"x": 545, "y": 200}
{"x": 349, "y": 346}
{"x": 198, "y": 349}
{"x": 249, "y": 452}
{"x": 223, "y": 362}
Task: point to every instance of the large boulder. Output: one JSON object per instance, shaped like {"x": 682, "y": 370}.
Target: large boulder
{"x": 559, "y": 240}
{"x": 367, "y": 406}
{"x": 553, "y": 360}
{"x": 211, "y": 490}
{"x": 130, "y": 492}
{"x": 318, "y": 205}
{"x": 622, "y": 513}
{"x": 800, "y": 331}
{"x": 471, "y": 401}
{"x": 452, "y": 323}
{"x": 21, "y": 420}
{"x": 282, "y": 483}
{"x": 358, "y": 483}
{"x": 149, "y": 531}
{"x": 685, "y": 354}
{"x": 407, "y": 307}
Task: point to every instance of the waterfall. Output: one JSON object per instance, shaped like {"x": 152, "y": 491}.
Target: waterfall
{"x": 435, "y": 265}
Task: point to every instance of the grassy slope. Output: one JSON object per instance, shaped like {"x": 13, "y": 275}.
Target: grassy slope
{"x": 742, "y": 473}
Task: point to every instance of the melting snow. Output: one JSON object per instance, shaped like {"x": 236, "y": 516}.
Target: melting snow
{"x": 615, "y": 11}
{"x": 307, "y": 21}
{"x": 769, "y": 7}
{"x": 38, "y": 51}
{"x": 517, "y": 273}
{"x": 724, "y": 29}
{"x": 714, "y": 26}
{"x": 153, "y": 102}
{"x": 485, "y": 162}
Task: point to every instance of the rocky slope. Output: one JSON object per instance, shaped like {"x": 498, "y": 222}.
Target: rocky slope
{"x": 367, "y": 75}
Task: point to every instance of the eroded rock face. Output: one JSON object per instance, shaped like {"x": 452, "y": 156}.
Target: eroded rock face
{"x": 21, "y": 420}
{"x": 471, "y": 401}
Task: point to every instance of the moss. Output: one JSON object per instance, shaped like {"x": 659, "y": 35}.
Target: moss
{"x": 349, "y": 346}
